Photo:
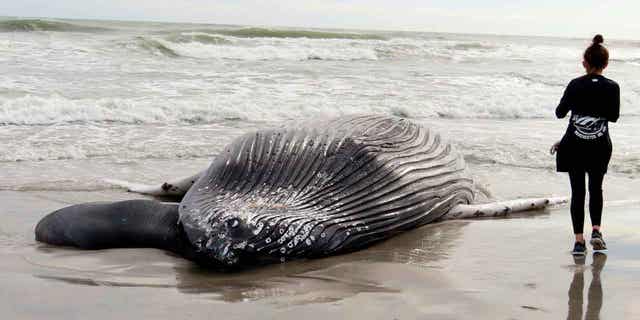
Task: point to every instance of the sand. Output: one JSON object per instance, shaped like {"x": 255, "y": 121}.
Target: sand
{"x": 517, "y": 268}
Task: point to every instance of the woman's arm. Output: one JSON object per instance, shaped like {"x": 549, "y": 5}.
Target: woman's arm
{"x": 565, "y": 103}
{"x": 615, "y": 108}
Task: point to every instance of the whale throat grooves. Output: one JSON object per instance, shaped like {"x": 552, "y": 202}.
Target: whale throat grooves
{"x": 322, "y": 188}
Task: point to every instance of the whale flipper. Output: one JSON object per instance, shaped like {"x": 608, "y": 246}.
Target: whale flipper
{"x": 501, "y": 209}
{"x": 174, "y": 188}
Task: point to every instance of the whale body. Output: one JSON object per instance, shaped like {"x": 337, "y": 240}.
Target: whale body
{"x": 309, "y": 190}
{"x": 322, "y": 188}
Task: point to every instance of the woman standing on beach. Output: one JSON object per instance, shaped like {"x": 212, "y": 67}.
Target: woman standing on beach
{"x": 585, "y": 148}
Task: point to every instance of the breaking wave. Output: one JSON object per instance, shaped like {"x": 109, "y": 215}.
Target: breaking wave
{"x": 199, "y": 37}
{"x": 33, "y": 110}
{"x": 29, "y": 25}
{"x": 273, "y": 33}
{"x": 632, "y": 61}
{"x": 203, "y": 46}
{"x": 255, "y": 44}
{"x": 36, "y": 110}
{"x": 541, "y": 79}
{"x": 153, "y": 46}
{"x": 471, "y": 46}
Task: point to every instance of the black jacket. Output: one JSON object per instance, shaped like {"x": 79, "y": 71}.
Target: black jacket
{"x": 594, "y": 101}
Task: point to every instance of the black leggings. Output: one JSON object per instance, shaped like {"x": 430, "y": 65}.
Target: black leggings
{"x": 577, "y": 198}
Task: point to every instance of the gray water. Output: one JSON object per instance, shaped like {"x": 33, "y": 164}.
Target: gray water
{"x": 131, "y": 92}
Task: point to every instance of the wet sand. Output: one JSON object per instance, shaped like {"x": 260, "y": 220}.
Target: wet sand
{"x": 517, "y": 268}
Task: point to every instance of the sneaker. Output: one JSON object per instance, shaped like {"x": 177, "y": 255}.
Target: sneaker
{"x": 579, "y": 249}
{"x": 597, "y": 242}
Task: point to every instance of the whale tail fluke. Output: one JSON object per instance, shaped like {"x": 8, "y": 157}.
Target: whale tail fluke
{"x": 501, "y": 209}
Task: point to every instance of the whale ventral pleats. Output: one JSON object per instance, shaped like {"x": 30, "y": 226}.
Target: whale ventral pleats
{"x": 322, "y": 187}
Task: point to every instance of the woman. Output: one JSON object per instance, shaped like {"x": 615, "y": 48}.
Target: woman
{"x": 585, "y": 148}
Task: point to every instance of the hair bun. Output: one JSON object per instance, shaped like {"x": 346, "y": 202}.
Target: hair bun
{"x": 598, "y": 39}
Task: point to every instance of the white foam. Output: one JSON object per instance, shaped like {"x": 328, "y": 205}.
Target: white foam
{"x": 57, "y": 87}
{"x": 270, "y": 49}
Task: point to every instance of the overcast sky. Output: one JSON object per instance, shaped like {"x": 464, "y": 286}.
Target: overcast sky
{"x": 570, "y": 18}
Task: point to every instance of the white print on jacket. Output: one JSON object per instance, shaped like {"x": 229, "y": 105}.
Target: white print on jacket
{"x": 589, "y": 128}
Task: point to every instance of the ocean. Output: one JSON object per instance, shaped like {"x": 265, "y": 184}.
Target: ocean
{"x": 83, "y": 100}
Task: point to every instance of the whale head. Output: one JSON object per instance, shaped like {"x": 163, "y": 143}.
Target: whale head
{"x": 220, "y": 239}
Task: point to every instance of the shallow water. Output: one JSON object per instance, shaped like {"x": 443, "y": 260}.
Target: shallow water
{"x": 133, "y": 90}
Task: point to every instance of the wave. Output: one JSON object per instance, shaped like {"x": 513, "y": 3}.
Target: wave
{"x": 153, "y": 46}
{"x": 471, "y": 46}
{"x": 61, "y": 186}
{"x": 204, "y": 38}
{"x": 532, "y": 79}
{"x": 29, "y": 25}
{"x": 53, "y": 110}
{"x": 273, "y": 33}
{"x": 480, "y": 158}
{"x": 37, "y": 110}
{"x": 627, "y": 164}
{"x": 633, "y": 61}
{"x": 33, "y": 110}
{"x": 225, "y": 44}
{"x": 456, "y": 51}
{"x": 202, "y": 46}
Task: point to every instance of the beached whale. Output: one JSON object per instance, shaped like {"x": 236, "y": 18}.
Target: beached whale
{"x": 309, "y": 190}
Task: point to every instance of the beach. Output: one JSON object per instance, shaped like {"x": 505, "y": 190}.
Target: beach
{"x": 516, "y": 268}
{"x": 86, "y": 102}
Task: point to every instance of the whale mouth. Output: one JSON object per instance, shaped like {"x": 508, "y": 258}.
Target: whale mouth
{"x": 217, "y": 250}
{"x": 222, "y": 242}
{"x": 224, "y": 254}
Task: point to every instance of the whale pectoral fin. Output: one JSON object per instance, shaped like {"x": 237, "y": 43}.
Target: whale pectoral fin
{"x": 500, "y": 209}
{"x": 175, "y": 188}
{"x": 135, "y": 187}
{"x": 101, "y": 225}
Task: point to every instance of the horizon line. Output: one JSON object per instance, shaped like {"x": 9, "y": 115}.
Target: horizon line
{"x": 316, "y": 27}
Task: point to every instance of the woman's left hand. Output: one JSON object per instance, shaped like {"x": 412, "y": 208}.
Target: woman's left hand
{"x": 554, "y": 148}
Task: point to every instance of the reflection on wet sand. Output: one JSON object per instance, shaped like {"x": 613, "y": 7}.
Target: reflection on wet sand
{"x": 302, "y": 282}
{"x": 595, "y": 294}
